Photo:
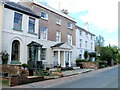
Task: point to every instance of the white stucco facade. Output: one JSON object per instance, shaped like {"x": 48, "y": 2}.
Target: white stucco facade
{"x": 84, "y": 42}
{"x": 9, "y": 34}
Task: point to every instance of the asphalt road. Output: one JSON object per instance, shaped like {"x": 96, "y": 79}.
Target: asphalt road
{"x": 105, "y": 79}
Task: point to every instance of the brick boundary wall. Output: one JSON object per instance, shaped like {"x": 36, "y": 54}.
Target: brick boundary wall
{"x": 10, "y": 69}
{"x": 90, "y": 65}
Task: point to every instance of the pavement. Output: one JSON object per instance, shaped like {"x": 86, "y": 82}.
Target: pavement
{"x": 74, "y": 72}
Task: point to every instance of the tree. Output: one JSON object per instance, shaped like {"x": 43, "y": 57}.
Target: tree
{"x": 92, "y": 55}
{"x": 108, "y": 54}
{"x": 99, "y": 42}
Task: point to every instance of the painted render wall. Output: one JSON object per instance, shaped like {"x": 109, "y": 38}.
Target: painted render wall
{"x": 81, "y": 50}
{"x": 9, "y": 35}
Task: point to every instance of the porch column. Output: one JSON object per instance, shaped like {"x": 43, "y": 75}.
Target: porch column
{"x": 64, "y": 60}
{"x": 59, "y": 57}
{"x": 69, "y": 59}
{"x": 39, "y": 55}
{"x": 53, "y": 60}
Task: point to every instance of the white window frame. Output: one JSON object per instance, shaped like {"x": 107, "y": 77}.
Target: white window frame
{"x": 70, "y": 39}
{"x": 91, "y": 37}
{"x": 45, "y": 16}
{"x": 70, "y": 27}
{"x": 80, "y": 33}
{"x": 44, "y": 53}
{"x": 80, "y": 43}
{"x": 91, "y": 46}
{"x": 86, "y": 34}
{"x": 86, "y": 44}
{"x": 58, "y": 34}
{"x": 58, "y": 21}
{"x": 42, "y": 37}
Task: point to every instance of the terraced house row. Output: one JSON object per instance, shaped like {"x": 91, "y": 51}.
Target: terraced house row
{"x": 32, "y": 31}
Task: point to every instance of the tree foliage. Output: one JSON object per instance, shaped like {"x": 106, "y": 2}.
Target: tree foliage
{"x": 108, "y": 54}
{"x": 99, "y": 42}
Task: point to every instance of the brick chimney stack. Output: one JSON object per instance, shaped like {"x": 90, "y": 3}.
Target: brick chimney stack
{"x": 64, "y": 11}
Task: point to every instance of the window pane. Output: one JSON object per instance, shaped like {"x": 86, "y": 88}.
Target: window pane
{"x": 17, "y": 21}
{"x": 43, "y": 54}
{"x": 43, "y": 32}
{"x": 43, "y": 15}
{"x": 31, "y": 24}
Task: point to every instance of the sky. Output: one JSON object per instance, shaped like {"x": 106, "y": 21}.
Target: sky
{"x": 101, "y": 16}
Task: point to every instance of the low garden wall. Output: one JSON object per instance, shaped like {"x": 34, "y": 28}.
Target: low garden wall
{"x": 18, "y": 80}
{"x": 10, "y": 69}
{"x": 90, "y": 65}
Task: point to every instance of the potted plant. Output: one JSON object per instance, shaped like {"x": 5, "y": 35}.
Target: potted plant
{"x": 4, "y": 57}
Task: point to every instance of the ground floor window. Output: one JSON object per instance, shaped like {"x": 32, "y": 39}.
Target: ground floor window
{"x": 80, "y": 56}
{"x": 43, "y": 54}
{"x": 15, "y": 50}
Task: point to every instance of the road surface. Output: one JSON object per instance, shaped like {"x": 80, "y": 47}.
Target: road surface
{"x": 103, "y": 79}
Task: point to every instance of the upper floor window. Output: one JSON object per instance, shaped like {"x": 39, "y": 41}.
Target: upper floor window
{"x": 58, "y": 21}
{"x": 69, "y": 39}
{"x": 31, "y": 25}
{"x": 58, "y": 37}
{"x": 91, "y": 46}
{"x": 80, "y": 32}
{"x": 80, "y": 42}
{"x": 91, "y": 37}
{"x": 86, "y": 34}
{"x": 43, "y": 54}
{"x": 44, "y": 15}
{"x": 17, "y": 21}
{"x": 43, "y": 33}
{"x": 69, "y": 25}
{"x": 86, "y": 44}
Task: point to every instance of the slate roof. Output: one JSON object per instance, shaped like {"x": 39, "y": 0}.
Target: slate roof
{"x": 34, "y": 44}
{"x": 57, "y": 45}
{"x": 53, "y": 10}
{"x": 84, "y": 30}
{"x": 20, "y": 8}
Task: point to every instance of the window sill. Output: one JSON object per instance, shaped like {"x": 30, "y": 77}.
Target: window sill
{"x": 17, "y": 29}
{"x": 70, "y": 28}
{"x": 44, "y": 19}
{"x": 15, "y": 62}
{"x": 32, "y": 33}
{"x": 43, "y": 39}
{"x": 58, "y": 24}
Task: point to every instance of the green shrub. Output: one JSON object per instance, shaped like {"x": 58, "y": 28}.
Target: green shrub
{"x": 24, "y": 65}
{"x": 78, "y": 60}
{"x": 84, "y": 60}
{"x": 101, "y": 66}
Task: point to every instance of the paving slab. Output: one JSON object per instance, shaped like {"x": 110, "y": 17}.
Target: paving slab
{"x": 74, "y": 72}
